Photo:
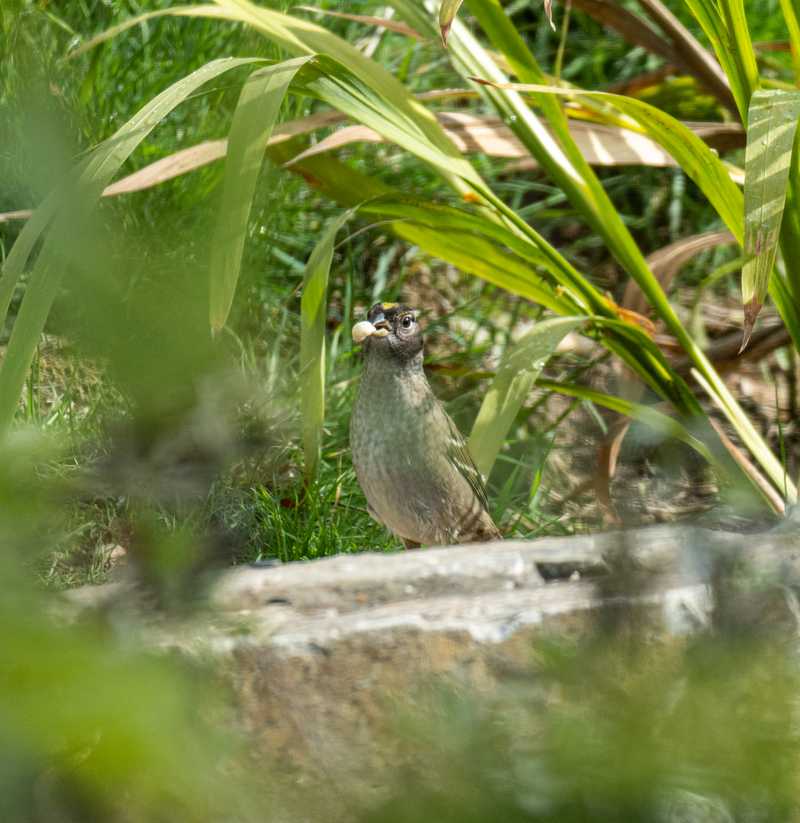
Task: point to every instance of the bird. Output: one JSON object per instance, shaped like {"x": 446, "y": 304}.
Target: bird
{"x": 410, "y": 459}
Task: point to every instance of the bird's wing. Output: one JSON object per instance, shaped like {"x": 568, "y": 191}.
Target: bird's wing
{"x": 460, "y": 456}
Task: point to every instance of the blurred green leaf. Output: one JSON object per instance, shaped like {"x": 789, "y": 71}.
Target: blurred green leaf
{"x": 253, "y": 120}
{"x": 72, "y": 205}
{"x": 518, "y": 370}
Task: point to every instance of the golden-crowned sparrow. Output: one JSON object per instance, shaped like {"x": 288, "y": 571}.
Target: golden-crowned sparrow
{"x": 410, "y": 459}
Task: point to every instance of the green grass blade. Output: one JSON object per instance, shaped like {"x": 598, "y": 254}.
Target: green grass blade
{"x": 516, "y": 374}
{"x": 370, "y": 93}
{"x": 725, "y": 25}
{"x": 771, "y": 130}
{"x": 92, "y": 176}
{"x": 626, "y": 341}
{"x": 790, "y": 9}
{"x": 699, "y": 162}
{"x": 480, "y": 257}
{"x": 656, "y": 420}
{"x": 313, "y": 311}
{"x": 253, "y": 121}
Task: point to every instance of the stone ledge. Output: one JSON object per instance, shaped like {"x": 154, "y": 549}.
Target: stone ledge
{"x": 320, "y": 654}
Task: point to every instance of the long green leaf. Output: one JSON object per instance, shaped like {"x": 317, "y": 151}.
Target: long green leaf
{"x": 313, "y": 309}
{"x": 456, "y": 232}
{"x": 699, "y": 162}
{"x": 253, "y": 120}
{"x": 92, "y": 176}
{"x": 725, "y": 25}
{"x": 371, "y": 95}
{"x": 791, "y": 9}
{"x": 771, "y": 130}
{"x": 369, "y": 92}
{"x": 512, "y": 384}
{"x": 656, "y": 420}
{"x": 478, "y": 256}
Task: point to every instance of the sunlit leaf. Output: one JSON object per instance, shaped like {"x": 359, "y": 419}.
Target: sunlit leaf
{"x": 313, "y": 311}
{"x": 699, "y": 162}
{"x": 253, "y": 120}
{"x": 770, "y": 137}
{"x": 512, "y": 384}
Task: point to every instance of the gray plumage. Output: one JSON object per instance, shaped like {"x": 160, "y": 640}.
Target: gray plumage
{"x": 410, "y": 459}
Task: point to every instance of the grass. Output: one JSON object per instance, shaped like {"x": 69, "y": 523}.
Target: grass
{"x": 141, "y": 446}
{"x": 258, "y": 499}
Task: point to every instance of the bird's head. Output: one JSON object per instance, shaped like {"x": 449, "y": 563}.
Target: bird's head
{"x": 391, "y": 330}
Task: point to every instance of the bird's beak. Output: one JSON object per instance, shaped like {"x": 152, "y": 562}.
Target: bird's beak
{"x": 364, "y": 329}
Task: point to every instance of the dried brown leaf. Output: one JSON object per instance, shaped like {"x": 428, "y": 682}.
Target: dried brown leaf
{"x": 367, "y": 20}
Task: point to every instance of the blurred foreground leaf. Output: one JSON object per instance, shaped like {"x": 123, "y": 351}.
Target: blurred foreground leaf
{"x": 70, "y": 205}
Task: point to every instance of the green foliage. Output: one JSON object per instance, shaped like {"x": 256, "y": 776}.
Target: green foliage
{"x": 772, "y": 124}
{"x": 70, "y": 206}
{"x": 725, "y": 25}
{"x": 512, "y": 384}
{"x": 253, "y": 121}
{"x": 493, "y": 241}
{"x": 312, "y": 343}
{"x": 186, "y": 450}
{"x": 612, "y": 729}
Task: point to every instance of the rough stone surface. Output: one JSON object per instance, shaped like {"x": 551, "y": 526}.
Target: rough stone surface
{"x": 321, "y": 654}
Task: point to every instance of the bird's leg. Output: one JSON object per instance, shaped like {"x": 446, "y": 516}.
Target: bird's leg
{"x": 410, "y": 544}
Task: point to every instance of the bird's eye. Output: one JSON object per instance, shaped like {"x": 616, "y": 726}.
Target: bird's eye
{"x": 407, "y": 321}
